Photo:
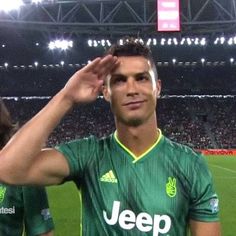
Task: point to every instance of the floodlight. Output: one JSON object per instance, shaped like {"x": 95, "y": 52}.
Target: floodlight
{"x": 60, "y": 44}
{"x": 222, "y": 40}
{"x": 95, "y": 43}
{"x": 154, "y": 42}
{"x": 103, "y": 42}
{"x": 175, "y": 41}
{"x": 203, "y": 41}
{"x": 149, "y": 41}
{"x": 196, "y": 41}
{"x": 90, "y": 43}
{"x": 230, "y": 41}
{"x": 163, "y": 41}
{"x": 36, "y": 1}
{"x": 108, "y": 42}
{"x": 216, "y": 40}
{"x": 182, "y": 41}
{"x": 10, "y": 5}
{"x": 51, "y": 45}
{"x": 189, "y": 41}
{"x": 169, "y": 41}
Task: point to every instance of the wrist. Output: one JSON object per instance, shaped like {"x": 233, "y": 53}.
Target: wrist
{"x": 65, "y": 100}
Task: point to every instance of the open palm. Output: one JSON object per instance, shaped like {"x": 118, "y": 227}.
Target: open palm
{"x": 85, "y": 85}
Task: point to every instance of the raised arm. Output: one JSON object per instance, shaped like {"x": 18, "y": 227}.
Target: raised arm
{"x": 22, "y": 161}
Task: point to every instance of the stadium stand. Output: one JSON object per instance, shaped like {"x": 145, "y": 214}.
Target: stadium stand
{"x": 202, "y": 123}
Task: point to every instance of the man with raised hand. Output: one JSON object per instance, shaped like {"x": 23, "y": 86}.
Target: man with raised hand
{"x": 133, "y": 182}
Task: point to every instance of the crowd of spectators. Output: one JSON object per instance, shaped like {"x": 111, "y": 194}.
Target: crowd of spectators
{"x": 197, "y": 122}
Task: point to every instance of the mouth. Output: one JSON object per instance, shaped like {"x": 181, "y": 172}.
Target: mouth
{"x": 133, "y": 104}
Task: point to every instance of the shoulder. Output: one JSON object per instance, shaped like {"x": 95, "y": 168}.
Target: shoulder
{"x": 85, "y": 148}
{"x": 181, "y": 151}
{"x": 91, "y": 140}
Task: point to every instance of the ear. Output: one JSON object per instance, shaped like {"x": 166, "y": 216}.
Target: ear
{"x": 106, "y": 93}
{"x": 158, "y": 86}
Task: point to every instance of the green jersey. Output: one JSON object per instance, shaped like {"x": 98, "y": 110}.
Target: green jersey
{"x": 153, "y": 194}
{"x": 24, "y": 207}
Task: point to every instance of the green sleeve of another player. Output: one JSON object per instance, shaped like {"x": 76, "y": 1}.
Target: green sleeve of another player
{"x": 37, "y": 217}
{"x": 204, "y": 205}
{"x": 78, "y": 153}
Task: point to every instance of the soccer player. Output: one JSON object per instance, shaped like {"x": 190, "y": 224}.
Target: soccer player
{"x": 21, "y": 208}
{"x": 134, "y": 182}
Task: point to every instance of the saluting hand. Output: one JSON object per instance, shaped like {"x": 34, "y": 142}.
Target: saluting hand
{"x": 84, "y": 86}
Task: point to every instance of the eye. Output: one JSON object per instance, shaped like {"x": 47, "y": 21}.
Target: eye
{"x": 116, "y": 80}
{"x": 142, "y": 77}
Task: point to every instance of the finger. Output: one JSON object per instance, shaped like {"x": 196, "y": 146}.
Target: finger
{"x": 174, "y": 181}
{"x": 98, "y": 64}
{"x": 93, "y": 64}
{"x": 171, "y": 182}
{"x": 108, "y": 68}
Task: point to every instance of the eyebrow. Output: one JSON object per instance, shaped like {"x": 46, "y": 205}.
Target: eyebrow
{"x": 137, "y": 74}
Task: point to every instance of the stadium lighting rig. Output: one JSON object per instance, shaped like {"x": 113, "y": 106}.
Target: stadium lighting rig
{"x": 171, "y": 41}
{"x": 60, "y": 44}
{"x": 188, "y": 41}
{"x": 13, "y": 5}
{"x": 223, "y": 40}
{"x": 36, "y": 1}
{"x": 10, "y": 5}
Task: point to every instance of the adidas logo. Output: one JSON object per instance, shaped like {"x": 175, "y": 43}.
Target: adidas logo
{"x": 109, "y": 177}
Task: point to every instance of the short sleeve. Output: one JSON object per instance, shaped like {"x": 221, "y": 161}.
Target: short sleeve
{"x": 78, "y": 153}
{"x": 37, "y": 217}
{"x": 204, "y": 205}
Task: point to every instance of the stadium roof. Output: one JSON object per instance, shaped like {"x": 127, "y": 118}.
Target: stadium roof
{"x": 119, "y": 17}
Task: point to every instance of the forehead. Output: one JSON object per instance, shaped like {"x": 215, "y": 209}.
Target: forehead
{"x": 132, "y": 64}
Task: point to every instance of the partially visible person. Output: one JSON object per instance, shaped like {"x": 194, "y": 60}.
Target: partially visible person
{"x": 21, "y": 208}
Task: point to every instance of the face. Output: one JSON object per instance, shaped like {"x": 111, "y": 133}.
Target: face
{"x": 132, "y": 90}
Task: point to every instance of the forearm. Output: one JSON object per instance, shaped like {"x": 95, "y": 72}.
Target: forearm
{"x": 19, "y": 153}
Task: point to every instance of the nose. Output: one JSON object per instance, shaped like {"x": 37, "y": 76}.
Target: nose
{"x": 132, "y": 88}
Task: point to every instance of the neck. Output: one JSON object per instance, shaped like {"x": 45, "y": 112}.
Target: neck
{"x": 140, "y": 138}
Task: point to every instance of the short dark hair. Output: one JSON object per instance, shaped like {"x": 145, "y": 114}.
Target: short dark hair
{"x": 7, "y": 127}
{"x": 132, "y": 47}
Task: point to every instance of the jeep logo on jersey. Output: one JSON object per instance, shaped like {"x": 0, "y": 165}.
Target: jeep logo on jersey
{"x": 143, "y": 221}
